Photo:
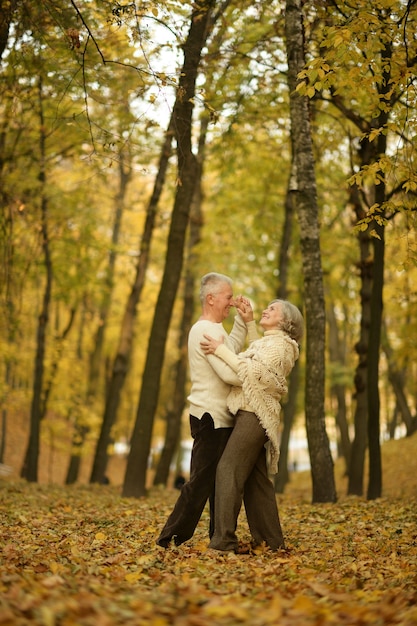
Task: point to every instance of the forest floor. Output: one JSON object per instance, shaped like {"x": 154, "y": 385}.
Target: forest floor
{"x": 83, "y": 555}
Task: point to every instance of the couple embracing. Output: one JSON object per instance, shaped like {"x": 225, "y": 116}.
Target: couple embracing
{"x": 234, "y": 417}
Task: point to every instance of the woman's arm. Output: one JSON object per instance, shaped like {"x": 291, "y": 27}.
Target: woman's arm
{"x": 210, "y": 345}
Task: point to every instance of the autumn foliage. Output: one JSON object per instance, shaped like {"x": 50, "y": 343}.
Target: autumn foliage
{"x": 84, "y": 555}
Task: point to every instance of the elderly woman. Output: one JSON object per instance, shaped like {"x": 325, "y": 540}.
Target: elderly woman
{"x": 261, "y": 373}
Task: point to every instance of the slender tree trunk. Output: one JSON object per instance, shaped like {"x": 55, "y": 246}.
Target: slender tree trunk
{"x": 289, "y": 407}
{"x": 135, "y": 477}
{"x": 397, "y": 379}
{"x": 303, "y": 185}
{"x": 30, "y": 469}
{"x": 173, "y": 417}
{"x": 173, "y": 432}
{"x": 96, "y": 357}
{"x": 375, "y": 464}
{"x": 59, "y": 344}
{"x": 7, "y": 9}
{"x": 121, "y": 362}
{"x": 378, "y": 242}
{"x": 81, "y": 430}
{"x": 360, "y": 440}
{"x": 337, "y": 357}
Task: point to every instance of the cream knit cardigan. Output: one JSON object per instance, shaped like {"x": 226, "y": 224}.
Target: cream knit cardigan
{"x": 263, "y": 369}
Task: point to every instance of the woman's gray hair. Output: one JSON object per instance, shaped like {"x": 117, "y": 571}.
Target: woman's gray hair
{"x": 211, "y": 282}
{"x": 293, "y": 321}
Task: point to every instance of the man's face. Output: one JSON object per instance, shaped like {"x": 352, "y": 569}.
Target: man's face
{"x": 222, "y": 301}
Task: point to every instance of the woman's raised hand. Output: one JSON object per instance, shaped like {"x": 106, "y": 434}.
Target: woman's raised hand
{"x": 244, "y": 308}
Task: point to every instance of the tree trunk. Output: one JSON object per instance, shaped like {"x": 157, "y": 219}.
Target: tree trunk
{"x": 7, "y": 9}
{"x": 59, "y": 344}
{"x": 80, "y": 429}
{"x": 174, "y": 416}
{"x": 338, "y": 390}
{"x": 121, "y": 362}
{"x": 303, "y": 186}
{"x": 397, "y": 379}
{"x": 360, "y": 440}
{"x": 96, "y": 358}
{"x": 378, "y": 241}
{"x": 30, "y": 469}
{"x": 289, "y": 407}
{"x": 78, "y": 439}
{"x": 135, "y": 477}
{"x": 173, "y": 432}
{"x": 375, "y": 464}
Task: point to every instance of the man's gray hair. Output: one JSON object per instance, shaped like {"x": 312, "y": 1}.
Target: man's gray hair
{"x": 211, "y": 282}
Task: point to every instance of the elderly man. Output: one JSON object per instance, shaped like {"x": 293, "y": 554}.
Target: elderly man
{"x": 210, "y": 421}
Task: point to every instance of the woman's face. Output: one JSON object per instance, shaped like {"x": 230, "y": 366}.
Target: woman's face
{"x": 271, "y": 317}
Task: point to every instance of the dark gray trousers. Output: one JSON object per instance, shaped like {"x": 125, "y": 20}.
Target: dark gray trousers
{"x": 242, "y": 472}
{"x": 208, "y": 446}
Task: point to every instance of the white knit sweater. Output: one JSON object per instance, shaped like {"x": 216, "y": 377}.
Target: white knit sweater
{"x": 210, "y": 377}
{"x": 262, "y": 370}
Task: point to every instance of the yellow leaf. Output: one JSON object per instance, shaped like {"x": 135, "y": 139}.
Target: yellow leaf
{"x": 100, "y": 536}
{"x": 57, "y": 568}
{"x": 224, "y": 609}
{"x": 48, "y": 616}
{"x": 304, "y": 604}
{"x": 374, "y": 133}
{"x": 132, "y": 577}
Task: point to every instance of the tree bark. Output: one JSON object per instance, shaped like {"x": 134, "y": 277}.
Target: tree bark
{"x": 80, "y": 429}
{"x": 338, "y": 390}
{"x": 375, "y": 463}
{"x": 378, "y": 241}
{"x": 303, "y": 185}
{"x": 135, "y": 477}
{"x": 121, "y": 362}
{"x": 30, "y": 468}
{"x": 173, "y": 432}
{"x": 289, "y": 407}
{"x": 360, "y": 439}
{"x": 397, "y": 379}
{"x": 7, "y": 9}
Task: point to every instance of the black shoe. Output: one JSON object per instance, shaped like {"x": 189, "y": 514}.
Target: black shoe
{"x": 178, "y": 541}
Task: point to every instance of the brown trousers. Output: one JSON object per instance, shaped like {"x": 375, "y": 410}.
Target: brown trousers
{"x": 242, "y": 474}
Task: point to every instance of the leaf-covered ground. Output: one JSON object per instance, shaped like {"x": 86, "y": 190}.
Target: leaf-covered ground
{"x": 86, "y": 556}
